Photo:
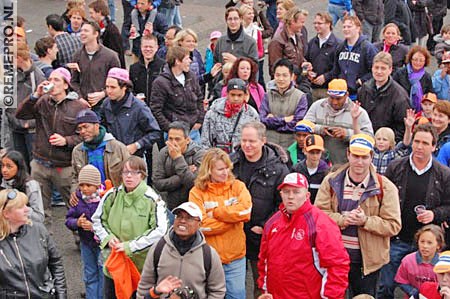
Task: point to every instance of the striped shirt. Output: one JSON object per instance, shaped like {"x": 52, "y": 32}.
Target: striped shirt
{"x": 350, "y": 201}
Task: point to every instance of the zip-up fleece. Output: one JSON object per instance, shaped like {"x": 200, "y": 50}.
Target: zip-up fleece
{"x": 137, "y": 218}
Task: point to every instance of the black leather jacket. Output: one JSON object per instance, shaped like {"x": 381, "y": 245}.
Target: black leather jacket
{"x": 24, "y": 259}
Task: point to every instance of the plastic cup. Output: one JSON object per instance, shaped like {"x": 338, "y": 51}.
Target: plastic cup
{"x": 419, "y": 209}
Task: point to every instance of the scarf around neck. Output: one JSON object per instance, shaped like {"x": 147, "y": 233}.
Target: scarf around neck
{"x": 416, "y": 92}
{"x": 232, "y": 109}
{"x": 95, "y": 142}
{"x": 234, "y": 36}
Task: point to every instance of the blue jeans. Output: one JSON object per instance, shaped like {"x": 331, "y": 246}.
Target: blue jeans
{"x": 235, "y": 279}
{"x": 92, "y": 271}
{"x": 195, "y": 136}
{"x": 112, "y": 10}
{"x": 173, "y": 16}
{"x": 337, "y": 12}
{"x": 271, "y": 14}
{"x": 397, "y": 252}
{"x": 126, "y": 25}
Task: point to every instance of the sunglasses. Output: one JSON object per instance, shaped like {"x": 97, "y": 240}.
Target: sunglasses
{"x": 10, "y": 196}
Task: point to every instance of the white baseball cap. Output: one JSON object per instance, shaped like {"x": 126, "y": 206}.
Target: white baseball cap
{"x": 190, "y": 208}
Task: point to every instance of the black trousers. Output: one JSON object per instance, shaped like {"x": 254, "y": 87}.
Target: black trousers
{"x": 109, "y": 290}
{"x": 360, "y": 283}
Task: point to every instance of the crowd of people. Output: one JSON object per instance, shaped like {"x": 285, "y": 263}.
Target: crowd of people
{"x": 327, "y": 177}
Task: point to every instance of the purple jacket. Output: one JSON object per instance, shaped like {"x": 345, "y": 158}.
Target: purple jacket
{"x": 75, "y": 212}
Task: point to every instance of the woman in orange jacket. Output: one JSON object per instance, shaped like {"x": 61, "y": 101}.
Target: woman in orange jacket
{"x": 226, "y": 204}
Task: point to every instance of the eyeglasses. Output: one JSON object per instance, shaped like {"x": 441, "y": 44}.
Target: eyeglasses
{"x": 10, "y": 196}
{"x": 185, "y": 292}
{"x": 186, "y": 218}
{"x": 132, "y": 172}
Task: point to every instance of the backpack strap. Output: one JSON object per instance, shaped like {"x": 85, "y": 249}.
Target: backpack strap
{"x": 206, "y": 259}
{"x": 157, "y": 255}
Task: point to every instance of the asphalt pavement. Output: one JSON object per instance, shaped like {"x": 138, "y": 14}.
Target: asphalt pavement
{"x": 203, "y": 16}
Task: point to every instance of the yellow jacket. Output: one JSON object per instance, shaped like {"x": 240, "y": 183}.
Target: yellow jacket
{"x": 225, "y": 207}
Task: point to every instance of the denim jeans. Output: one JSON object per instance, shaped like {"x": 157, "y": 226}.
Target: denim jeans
{"x": 126, "y": 25}
{"x": 337, "y": 12}
{"x": 112, "y": 10}
{"x": 397, "y": 252}
{"x": 173, "y": 16}
{"x": 92, "y": 271}
{"x": 271, "y": 14}
{"x": 195, "y": 136}
{"x": 235, "y": 279}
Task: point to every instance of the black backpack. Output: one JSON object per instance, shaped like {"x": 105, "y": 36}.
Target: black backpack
{"x": 206, "y": 258}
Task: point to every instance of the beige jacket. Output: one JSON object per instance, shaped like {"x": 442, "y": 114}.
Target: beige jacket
{"x": 383, "y": 220}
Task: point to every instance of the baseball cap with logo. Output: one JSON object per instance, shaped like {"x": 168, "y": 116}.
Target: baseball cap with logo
{"x": 190, "y": 208}
{"x": 294, "y": 179}
{"x": 443, "y": 264}
{"x": 337, "y": 88}
{"x": 305, "y": 126}
{"x": 361, "y": 144}
{"x": 313, "y": 142}
{"x": 237, "y": 84}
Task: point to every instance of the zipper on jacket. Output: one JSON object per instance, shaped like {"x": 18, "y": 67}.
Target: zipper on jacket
{"x": 4, "y": 255}
{"x": 23, "y": 268}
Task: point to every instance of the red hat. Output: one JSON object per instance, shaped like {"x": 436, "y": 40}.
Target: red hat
{"x": 294, "y": 179}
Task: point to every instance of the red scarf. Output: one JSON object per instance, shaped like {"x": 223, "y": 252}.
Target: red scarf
{"x": 233, "y": 109}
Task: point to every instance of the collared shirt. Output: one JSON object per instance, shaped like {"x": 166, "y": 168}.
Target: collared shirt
{"x": 323, "y": 40}
{"x": 418, "y": 171}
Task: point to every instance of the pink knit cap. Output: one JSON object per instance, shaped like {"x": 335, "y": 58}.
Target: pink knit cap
{"x": 119, "y": 74}
{"x": 63, "y": 72}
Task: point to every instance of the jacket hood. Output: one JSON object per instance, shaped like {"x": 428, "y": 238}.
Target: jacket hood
{"x": 199, "y": 239}
{"x": 72, "y": 95}
{"x": 108, "y": 137}
{"x": 218, "y": 105}
{"x": 359, "y": 41}
{"x": 271, "y": 152}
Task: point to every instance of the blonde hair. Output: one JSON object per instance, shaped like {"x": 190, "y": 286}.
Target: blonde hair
{"x": 180, "y": 36}
{"x": 391, "y": 25}
{"x": 209, "y": 159}
{"x": 20, "y": 200}
{"x": 388, "y": 133}
{"x": 245, "y": 8}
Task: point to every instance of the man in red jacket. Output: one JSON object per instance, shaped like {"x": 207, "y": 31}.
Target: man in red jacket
{"x": 302, "y": 254}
